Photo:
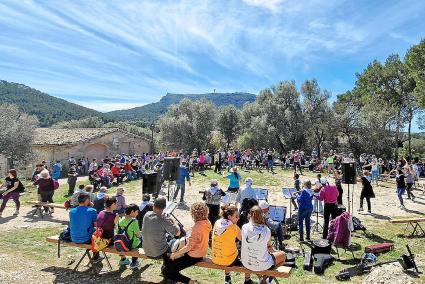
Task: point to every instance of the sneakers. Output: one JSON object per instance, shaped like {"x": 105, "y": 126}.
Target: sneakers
{"x": 227, "y": 279}
{"x": 16, "y": 213}
{"x": 124, "y": 262}
{"x": 248, "y": 281}
{"x": 402, "y": 207}
{"x": 135, "y": 265}
{"x": 98, "y": 260}
{"x": 369, "y": 211}
{"x": 360, "y": 209}
{"x": 269, "y": 280}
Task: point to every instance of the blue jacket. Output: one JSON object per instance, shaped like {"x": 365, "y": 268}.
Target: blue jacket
{"x": 305, "y": 200}
{"x": 183, "y": 174}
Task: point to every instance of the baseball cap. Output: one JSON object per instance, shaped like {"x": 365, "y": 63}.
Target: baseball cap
{"x": 263, "y": 204}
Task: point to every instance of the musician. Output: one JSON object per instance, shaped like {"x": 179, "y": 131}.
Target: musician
{"x": 274, "y": 226}
{"x": 212, "y": 198}
{"x": 329, "y": 195}
{"x": 247, "y": 192}
{"x": 305, "y": 209}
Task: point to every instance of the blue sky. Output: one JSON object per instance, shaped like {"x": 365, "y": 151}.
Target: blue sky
{"x": 119, "y": 54}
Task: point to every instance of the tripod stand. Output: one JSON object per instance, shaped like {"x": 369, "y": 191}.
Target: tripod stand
{"x": 316, "y": 226}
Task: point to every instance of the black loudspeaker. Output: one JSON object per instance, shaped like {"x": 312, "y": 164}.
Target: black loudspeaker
{"x": 170, "y": 169}
{"x": 150, "y": 183}
{"x": 349, "y": 173}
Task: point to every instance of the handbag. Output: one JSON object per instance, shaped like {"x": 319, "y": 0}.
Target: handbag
{"x": 97, "y": 242}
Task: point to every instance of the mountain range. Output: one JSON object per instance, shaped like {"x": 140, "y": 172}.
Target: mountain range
{"x": 50, "y": 110}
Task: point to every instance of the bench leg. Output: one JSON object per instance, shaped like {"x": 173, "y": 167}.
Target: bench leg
{"x": 86, "y": 253}
{"x": 107, "y": 260}
{"x": 417, "y": 230}
{"x": 275, "y": 280}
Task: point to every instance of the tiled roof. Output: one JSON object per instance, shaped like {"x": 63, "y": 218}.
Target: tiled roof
{"x": 64, "y": 136}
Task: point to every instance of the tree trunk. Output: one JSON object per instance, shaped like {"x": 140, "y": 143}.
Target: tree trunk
{"x": 397, "y": 134}
{"x": 409, "y": 135}
{"x": 282, "y": 147}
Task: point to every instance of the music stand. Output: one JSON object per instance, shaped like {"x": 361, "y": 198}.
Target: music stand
{"x": 316, "y": 226}
{"x": 277, "y": 213}
{"x": 289, "y": 193}
{"x": 229, "y": 198}
{"x": 169, "y": 209}
{"x": 261, "y": 194}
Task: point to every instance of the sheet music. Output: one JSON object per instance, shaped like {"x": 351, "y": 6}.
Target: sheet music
{"x": 261, "y": 193}
{"x": 289, "y": 193}
{"x": 229, "y": 198}
{"x": 169, "y": 208}
{"x": 277, "y": 213}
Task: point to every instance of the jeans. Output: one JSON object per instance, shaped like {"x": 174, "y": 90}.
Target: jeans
{"x": 231, "y": 164}
{"x": 409, "y": 190}
{"x": 400, "y": 192}
{"x": 330, "y": 210}
{"x": 374, "y": 175}
{"x": 11, "y": 195}
{"x": 369, "y": 206}
{"x": 172, "y": 268}
{"x": 304, "y": 215}
{"x": 131, "y": 175}
{"x": 270, "y": 165}
{"x": 181, "y": 187}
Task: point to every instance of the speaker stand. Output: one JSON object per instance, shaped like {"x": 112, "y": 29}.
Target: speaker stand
{"x": 171, "y": 185}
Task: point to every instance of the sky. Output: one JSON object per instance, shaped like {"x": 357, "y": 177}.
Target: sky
{"x": 110, "y": 55}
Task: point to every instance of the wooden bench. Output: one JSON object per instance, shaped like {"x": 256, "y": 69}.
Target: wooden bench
{"x": 414, "y": 223}
{"x": 38, "y": 207}
{"x": 279, "y": 272}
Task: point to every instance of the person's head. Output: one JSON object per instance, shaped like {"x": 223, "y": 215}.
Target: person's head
{"x": 264, "y": 205}
{"x": 146, "y": 197}
{"x": 44, "y": 174}
{"x": 132, "y": 210}
{"x": 307, "y": 184}
{"x": 248, "y": 181}
{"x": 235, "y": 169}
{"x": 256, "y": 215}
{"x": 89, "y": 188}
{"x": 120, "y": 190}
{"x": 366, "y": 173}
{"x": 81, "y": 187}
{"x": 319, "y": 176}
{"x": 39, "y": 167}
{"x": 58, "y": 162}
{"x": 323, "y": 181}
{"x": 83, "y": 199}
{"x": 159, "y": 204}
{"x": 214, "y": 183}
{"x": 296, "y": 176}
{"x": 12, "y": 173}
{"x": 199, "y": 211}
{"x": 230, "y": 212}
{"x": 103, "y": 189}
{"x": 111, "y": 202}
{"x": 94, "y": 160}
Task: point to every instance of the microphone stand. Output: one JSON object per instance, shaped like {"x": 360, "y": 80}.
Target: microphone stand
{"x": 317, "y": 225}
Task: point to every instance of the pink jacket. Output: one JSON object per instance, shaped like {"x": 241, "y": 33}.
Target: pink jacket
{"x": 329, "y": 194}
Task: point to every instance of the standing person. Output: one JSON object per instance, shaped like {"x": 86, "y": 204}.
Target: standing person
{"x": 212, "y": 198}
{"x": 410, "y": 180}
{"x": 330, "y": 161}
{"x": 297, "y": 162}
{"x": 367, "y": 191}
{"x": 201, "y": 162}
{"x": 45, "y": 188}
{"x": 56, "y": 170}
{"x": 305, "y": 209}
{"x": 181, "y": 181}
{"x": 224, "y": 236}
{"x": 217, "y": 162}
{"x": 72, "y": 178}
{"x": 318, "y": 205}
{"x": 338, "y": 183}
{"x": 401, "y": 186}
{"x": 329, "y": 195}
{"x": 196, "y": 248}
{"x": 230, "y": 160}
{"x": 13, "y": 188}
{"x": 270, "y": 161}
{"x": 257, "y": 251}
{"x": 297, "y": 186}
{"x": 234, "y": 180}
{"x": 130, "y": 226}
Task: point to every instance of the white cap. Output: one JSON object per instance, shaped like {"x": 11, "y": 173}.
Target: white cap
{"x": 263, "y": 204}
{"x": 323, "y": 181}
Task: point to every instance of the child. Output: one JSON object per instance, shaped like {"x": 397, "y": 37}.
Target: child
{"x": 297, "y": 186}
{"x": 120, "y": 201}
{"x": 130, "y": 225}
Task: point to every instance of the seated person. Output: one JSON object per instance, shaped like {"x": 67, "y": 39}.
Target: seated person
{"x": 247, "y": 192}
{"x": 120, "y": 201}
{"x": 156, "y": 226}
{"x": 99, "y": 201}
{"x": 81, "y": 222}
{"x": 274, "y": 226}
{"x": 94, "y": 179}
{"x": 74, "y": 197}
{"x": 89, "y": 190}
{"x": 129, "y": 171}
{"x": 144, "y": 208}
{"x": 129, "y": 221}
{"x": 107, "y": 219}
{"x": 116, "y": 172}
{"x": 257, "y": 252}
{"x": 224, "y": 236}
{"x": 194, "y": 251}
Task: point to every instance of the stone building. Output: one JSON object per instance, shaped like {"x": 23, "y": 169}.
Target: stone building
{"x": 51, "y": 144}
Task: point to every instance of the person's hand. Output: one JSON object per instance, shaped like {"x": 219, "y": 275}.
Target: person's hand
{"x": 190, "y": 184}
{"x": 4, "y": 193}
{"x": 173, "y": 256}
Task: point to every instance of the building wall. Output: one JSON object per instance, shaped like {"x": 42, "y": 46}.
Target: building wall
{"x": 111, "y": 144}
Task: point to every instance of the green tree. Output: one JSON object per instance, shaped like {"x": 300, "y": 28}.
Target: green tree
{"x": 415, "y": 61}
{"x": 318, "y": 115}
{"x": 228, "y": 123}
{"x": 17, "y": 133}
{"x": 187, "y": 125}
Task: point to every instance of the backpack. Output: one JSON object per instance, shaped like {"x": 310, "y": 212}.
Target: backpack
{"x": 21, "y": 187}
{"x": 64, "y": 236}
{"x": 97, "y": 242}
{"x": 122, "y": 241}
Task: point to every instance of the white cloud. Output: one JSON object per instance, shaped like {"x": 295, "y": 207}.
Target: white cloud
{"x": 272, "y": 5}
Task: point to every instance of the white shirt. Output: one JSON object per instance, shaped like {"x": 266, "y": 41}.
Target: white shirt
{"x": 254, "y": 252}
